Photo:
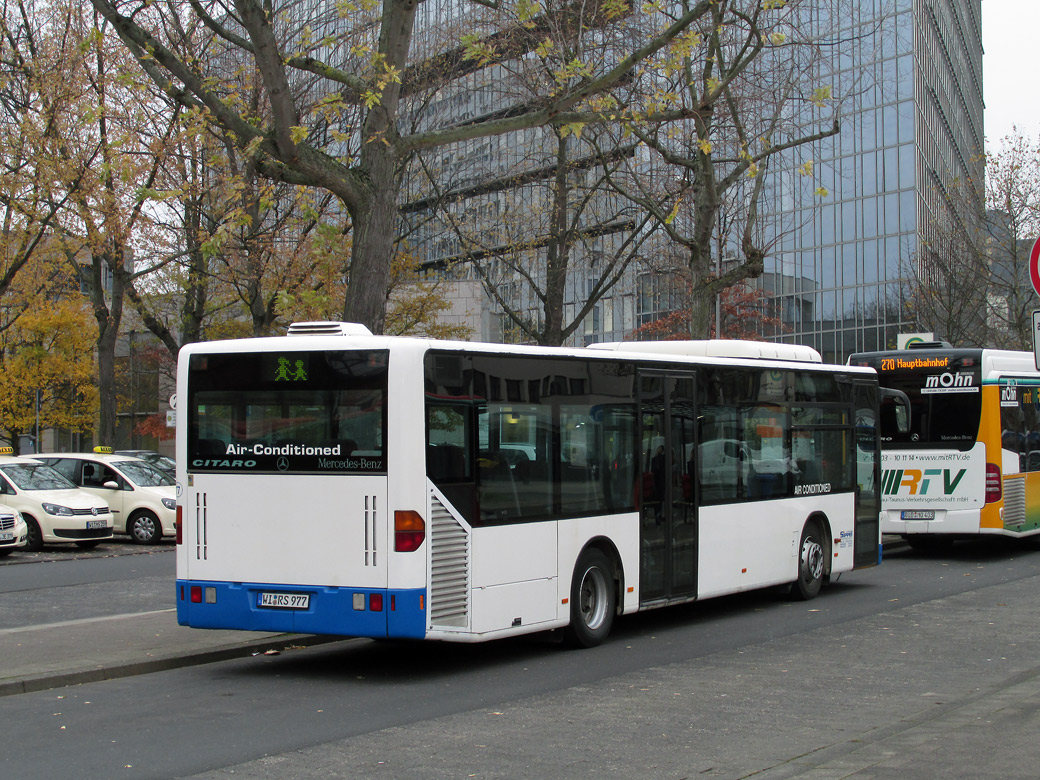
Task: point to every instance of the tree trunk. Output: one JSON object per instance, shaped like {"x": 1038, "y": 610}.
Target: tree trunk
{"x": 702, "y": 292}
{"x": 370, "y": 256}
{"x": 108, "y": 318}
{"x": 557, "y": 255}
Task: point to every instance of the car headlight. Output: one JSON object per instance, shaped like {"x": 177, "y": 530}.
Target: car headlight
{"x": 169, "y": 503}
{"x": 57, "y": 509}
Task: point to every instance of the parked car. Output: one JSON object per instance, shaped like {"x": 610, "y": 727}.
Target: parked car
{"x": 157, "y": 459}
{"x": 13, "y": 532}
{"x": 54, "y": 510}
{"x": 142, "y": 498}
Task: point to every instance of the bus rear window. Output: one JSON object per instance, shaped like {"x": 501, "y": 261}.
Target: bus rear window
{"x": 945, "y": 404}
{"x": 297, "y": 412}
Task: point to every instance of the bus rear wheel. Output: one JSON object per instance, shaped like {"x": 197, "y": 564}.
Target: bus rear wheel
{"x": 929, "y": 545}
{"x": 810, "y": 563}
{"x": 593, "y": 600}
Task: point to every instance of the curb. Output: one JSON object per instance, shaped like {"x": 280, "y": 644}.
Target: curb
{"x": 46, "y": 681}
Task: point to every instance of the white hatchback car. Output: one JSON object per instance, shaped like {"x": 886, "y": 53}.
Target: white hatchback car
{"x": 54, "y": 510}
{"x": 142, "y": 498}
{"x": 13, "y": 531}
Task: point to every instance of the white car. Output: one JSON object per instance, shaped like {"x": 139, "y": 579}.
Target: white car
{"x": 53, "y": 509}
{"x": 13, "y": 532}
{"x": 143, "y": 499}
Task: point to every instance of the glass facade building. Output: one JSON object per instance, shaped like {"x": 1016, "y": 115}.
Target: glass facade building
{"x": 906, "y": 76}
{"x": 909, "y": 75}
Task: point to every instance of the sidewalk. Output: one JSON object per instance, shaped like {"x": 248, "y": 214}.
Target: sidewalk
{"x": 36, "y": 658}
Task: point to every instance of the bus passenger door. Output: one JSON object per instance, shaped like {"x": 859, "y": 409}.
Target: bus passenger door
{"x": 868, "y": 474}
{"x": 668, "y": 518}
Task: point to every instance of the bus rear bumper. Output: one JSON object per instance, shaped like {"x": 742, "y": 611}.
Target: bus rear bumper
{"x": 344, "y": 611}
{"x": 956, "y": 521}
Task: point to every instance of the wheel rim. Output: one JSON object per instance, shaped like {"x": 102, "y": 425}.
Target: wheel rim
{"x": 144, "y": 528}
{"x": 592, "y": 598}
{"x": 812, "y": 560}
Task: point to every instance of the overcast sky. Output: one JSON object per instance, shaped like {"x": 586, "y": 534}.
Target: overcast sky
{"x": 1011, "y": 68}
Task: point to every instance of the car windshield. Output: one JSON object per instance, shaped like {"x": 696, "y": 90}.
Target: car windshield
{"x": 33, "y": 476}
{"x": 162, "y": 462}
{"x": 143, "y": 474}
{"x": 159, "y": 461}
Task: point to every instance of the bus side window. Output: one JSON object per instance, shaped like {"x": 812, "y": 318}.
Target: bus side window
{"x": 447, "y": 463}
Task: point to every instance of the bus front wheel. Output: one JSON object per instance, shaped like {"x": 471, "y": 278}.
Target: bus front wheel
{"x": 593, "y": 600}
{"x": 810, "y": 563}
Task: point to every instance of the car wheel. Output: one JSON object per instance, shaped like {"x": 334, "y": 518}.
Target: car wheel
{"x": 34, "y": 537}
{"x": 810, "y": 563}
{"x": 144, "y": 528}
{"x": 593, "y": 599}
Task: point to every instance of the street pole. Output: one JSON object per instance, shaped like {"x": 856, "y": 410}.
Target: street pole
{"x": 36, "y": 437}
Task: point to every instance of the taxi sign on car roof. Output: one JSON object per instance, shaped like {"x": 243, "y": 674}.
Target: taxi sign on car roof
{"x": 102, "y": 450}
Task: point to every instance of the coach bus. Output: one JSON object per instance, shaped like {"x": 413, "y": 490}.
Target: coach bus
{"x": 960, "y": 442}
{"x": 335, "y": 482}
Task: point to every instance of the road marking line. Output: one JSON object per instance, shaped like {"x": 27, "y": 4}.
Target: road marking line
{"x": 83, "y": 621}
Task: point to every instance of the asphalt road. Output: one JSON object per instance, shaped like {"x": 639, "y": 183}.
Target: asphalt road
{"x": 754, "y": 684}
{"x": 66, "y": 583}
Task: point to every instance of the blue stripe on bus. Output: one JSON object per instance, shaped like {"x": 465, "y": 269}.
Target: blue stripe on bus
{"x": 330, "y": 611}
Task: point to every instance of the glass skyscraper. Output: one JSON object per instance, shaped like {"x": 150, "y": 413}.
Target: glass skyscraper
{"x": 906, "y": 77}
{"x": 909, "y": 73}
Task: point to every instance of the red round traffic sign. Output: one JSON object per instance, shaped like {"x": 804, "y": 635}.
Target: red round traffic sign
{"x": 1034, "y": 271}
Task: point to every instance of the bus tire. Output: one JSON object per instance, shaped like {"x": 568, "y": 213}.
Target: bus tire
{"x": 33, "y": 536}
{"x": 144, "y": 528}
{"x": 810, "y": 563}
{"x": 593, "y": 600}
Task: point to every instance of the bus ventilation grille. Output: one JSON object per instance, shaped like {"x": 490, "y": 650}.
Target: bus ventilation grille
{"x": 449, "y": 571}
{"x": 328, "y": 329}
{"x": 1014, "y": 502}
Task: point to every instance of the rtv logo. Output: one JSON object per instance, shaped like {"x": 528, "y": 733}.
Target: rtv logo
{"x": 919, "y": 482}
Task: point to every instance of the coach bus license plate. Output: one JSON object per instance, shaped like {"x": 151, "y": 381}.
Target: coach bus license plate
{"x": 284, "y": 600}
{"x": 917, "y": 514}
{"x": 96, "y": 524}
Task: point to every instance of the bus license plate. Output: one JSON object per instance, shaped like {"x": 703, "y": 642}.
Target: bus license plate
{"x": 917, "y": 514}
{"x": 96, "y": 524}
{"x": 284, "y": 600}
{"x": 6, "y": 536}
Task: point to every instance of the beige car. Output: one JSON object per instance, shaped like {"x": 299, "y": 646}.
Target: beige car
{"x": 142, "y": 498}
{"x": 54, "y": 510}
{"x": 13, "y": 531}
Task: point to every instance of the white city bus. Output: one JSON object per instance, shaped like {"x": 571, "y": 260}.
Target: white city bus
{"x": 335, "y": 482}
{"x": 960, "y": 432}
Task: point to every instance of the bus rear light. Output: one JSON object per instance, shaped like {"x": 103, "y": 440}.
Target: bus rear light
{"x": 409, "y": 530}
{"x": 178, "y": 525}
{"x": 375, "y": 602}
{"x": 196, "y": 594}
{"x": 993, "y": 489}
